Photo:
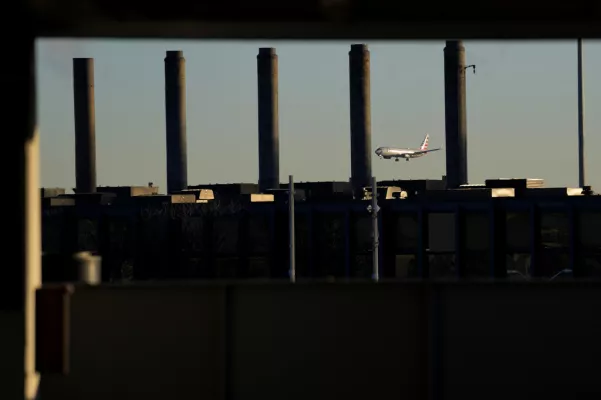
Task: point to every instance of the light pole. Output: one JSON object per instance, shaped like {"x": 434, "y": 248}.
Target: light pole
{"x": 581, "y": 157}
{"x": 291, "y": 228}
{"x": 373, "y": 210}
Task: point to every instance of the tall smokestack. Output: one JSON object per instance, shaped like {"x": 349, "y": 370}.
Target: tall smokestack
{"x": 455, "y": 113}
{"x": 269, "y": 142}
{"x": 175, "y": 108}
{"x": 360, "y": 117}
{"x": 85, "y": 125}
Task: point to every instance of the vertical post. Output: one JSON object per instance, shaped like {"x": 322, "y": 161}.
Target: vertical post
{"x": 535, "y": 243}
{"x": 374, "y": 227}
{"x": 269, "y": 143}
{"x": 423, "y": 263}
{"x": 21, "y": 277}
{"x": 33, "y": 230}
{"x": 311, "y": 231}
{"x": 460, "y": 239}
{"x": 348, "y": 245}
{"x": 175, "y": 120}
{"x": 581, "y": 157}
{"x": 360, "y": 114}
{"x": 575, "y": 240}
{"x": 291, "y": 228}
{"x": 85, "y": 125}
{"x": 498, "y": 245}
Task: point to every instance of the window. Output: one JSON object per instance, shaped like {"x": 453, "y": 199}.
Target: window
{"x": 259, "y": 234}
{"x": 517, "y": 233}
{"x": 441, "y": 232}
{"x": 406, "y": 233}
{"x": 555, "y": 240}
{"x": 225, "y": 235}
{"x": 589, "y": 226}
{"x": 404, "y": 243}
{"x": 329, "y": 256}
{"x": 477, "y": 244}
{"x": 517, "y": 239}
{"x": 405, "y": 266}
{"x": 87, "y": 235}
{"x": 361, "y": 245}
{"x": 441, "y": 245}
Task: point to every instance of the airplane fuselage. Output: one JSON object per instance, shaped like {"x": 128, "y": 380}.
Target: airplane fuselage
{"x": 398, "y": 153}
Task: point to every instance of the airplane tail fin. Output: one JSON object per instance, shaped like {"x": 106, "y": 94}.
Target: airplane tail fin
{"x": 424, "y": 145}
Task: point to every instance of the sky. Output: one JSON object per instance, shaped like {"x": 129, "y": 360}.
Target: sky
{"x": 521, "y": 110}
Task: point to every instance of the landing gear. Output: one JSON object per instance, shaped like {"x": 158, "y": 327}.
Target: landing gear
{"x": 406, "y": 159}
{"x": 396, "y": 159}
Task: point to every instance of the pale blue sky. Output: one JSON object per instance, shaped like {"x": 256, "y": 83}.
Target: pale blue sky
{"x": 522, "y": 109}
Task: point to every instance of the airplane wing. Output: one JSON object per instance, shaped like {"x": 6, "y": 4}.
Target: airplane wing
{"x": 426, "y": 151}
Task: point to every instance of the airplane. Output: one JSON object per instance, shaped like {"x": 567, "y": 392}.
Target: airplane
{"x": 398, "y": 153}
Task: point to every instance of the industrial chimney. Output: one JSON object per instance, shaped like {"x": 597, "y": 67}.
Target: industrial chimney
{"x": 85, "y": 125}
{"x": 269, "y": 143}
{"x": 360, "y": 107}
{"x": 175, "y": 119}
{"x": 455, "y": 113}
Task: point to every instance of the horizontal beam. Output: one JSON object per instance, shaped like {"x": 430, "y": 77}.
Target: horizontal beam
{"x": 508, "y": 29}
{"x": 317, "y": 19}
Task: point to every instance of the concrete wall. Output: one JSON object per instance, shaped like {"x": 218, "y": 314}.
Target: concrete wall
{"x": 143, "y": 343}
{"x": 325, "y": 341}
{"x": 520, "y": 341}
